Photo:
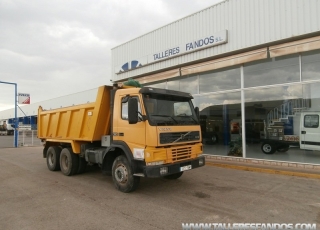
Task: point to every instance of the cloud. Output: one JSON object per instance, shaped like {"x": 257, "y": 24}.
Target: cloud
{"x": 55, "y": 48}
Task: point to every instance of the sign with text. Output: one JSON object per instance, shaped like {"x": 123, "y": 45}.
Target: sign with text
{"x": 190, "y": 46}
{"x": 23, "y": 98}
{"x": 203, "y": 42}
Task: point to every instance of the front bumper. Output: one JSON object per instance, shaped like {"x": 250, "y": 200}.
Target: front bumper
{"x": 154, "y": 171}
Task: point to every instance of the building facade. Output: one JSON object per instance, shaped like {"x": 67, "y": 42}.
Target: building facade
{"x": 253, "y": 68}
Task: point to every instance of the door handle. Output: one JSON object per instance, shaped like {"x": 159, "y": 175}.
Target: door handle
{"x": 303, "y": 132}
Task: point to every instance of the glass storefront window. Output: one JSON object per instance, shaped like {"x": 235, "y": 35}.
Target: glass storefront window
{"x": 272, "y": 71}
{"x": 310, "y": 65}
{"x": 218, "y": 80}
{"x": 160, "y": 85}
{"x": 274, "y": 123}
{"x": 188, "y": 84}
{"x": 220, "y": 120}
{"x": 174, "y": 85}
{"x": 281, "y": 122}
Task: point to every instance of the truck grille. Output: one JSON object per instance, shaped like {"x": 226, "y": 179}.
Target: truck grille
{"x": 167, "y": 138}
{"x": 180, "y": 154}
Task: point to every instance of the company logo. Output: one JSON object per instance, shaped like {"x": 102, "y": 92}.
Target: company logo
{"x": 23, "y": 98}
{"x": 164, "y": 129}
{"x": 130, "y": 65}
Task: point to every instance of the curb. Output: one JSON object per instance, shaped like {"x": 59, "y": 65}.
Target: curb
{"x": 264, "y": 170}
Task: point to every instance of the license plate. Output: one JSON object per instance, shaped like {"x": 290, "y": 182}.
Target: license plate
{"x": 184, "y": 168}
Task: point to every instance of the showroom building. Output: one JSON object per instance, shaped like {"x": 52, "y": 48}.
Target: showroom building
{"x": 253, "y": 68}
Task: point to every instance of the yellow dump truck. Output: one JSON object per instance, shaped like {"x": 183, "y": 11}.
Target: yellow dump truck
{"x": 129, "y": 132}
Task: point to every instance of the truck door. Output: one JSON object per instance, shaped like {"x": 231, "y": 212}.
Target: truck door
{"x": 132, "y": 134}
{"x": 310, "y": 131}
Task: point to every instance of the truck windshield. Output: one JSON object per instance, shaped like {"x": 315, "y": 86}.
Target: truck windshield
{"x": 165, "y": 110}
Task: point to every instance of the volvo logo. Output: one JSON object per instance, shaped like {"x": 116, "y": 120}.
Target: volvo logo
{"x": 164, "y": 129}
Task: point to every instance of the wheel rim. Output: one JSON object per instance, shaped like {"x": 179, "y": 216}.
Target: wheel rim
{"x": 50, "y": 159}
{"x": 64, "y": 162}
{"x": 267, "y": 148}
{"x": 121, "y": 174}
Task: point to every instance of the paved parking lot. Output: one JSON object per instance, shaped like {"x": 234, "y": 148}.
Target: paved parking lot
{"x": 32, "y": 197}
{"x": 26, "y": 138}
{"x": 6, "y": 142}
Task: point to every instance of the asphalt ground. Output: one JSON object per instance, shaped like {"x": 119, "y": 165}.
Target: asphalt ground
{"x": 23, "y": 140}
{"x": 6, "y": 141}
{"x": 32, "y": 197}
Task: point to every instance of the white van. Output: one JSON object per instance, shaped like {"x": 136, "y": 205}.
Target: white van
{"x": 306, "y": 137}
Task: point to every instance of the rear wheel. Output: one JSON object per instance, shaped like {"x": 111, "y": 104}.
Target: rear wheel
{"x": 174, "y": 176}
{"x": 268, "y": 148}
{"x": 69, "y": 162}
{"x": 82, "y": 165}
{"x": 53, "y": 158}
{"x": 122, "y": 175}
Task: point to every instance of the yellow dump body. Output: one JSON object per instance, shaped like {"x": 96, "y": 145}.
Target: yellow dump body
{"x": 77, "y": 124}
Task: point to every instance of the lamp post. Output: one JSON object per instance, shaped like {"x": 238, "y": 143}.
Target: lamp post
{"x": 15, "y": 111}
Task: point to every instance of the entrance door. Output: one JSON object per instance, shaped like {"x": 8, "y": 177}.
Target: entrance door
{"x": 132, "y": 134}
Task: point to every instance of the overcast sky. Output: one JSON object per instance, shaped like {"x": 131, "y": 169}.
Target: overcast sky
{"x": 52, "y": 48}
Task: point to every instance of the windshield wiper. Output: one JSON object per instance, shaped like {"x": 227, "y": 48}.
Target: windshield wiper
{"x": 185, "y": 115}
{"x": 156, "y": 115}
{"x": 193, "y": 119}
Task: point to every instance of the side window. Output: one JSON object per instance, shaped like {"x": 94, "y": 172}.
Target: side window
{"x": 311, "y": 121}
{"x": 124, "y": 108}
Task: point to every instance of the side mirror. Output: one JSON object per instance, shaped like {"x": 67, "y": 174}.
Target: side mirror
{"x": 133, "y": 110}
{"x": 196, "y": 109}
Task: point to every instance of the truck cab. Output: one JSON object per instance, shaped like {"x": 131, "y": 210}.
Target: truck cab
{"x": 160, "y": 127}
{"x": 310, "y": 131}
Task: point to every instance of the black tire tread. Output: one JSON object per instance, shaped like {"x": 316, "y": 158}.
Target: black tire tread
{"x": 273, "y": 148}
{"x": 73, "y": 162}
{"x": 133, "y": 181}
{"x": 55, "y": 150}
{"x": 82, "y": 165}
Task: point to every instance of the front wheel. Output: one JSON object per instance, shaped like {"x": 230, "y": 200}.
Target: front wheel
{"x": 174, "y": 176}
{"x": 122, "y": 175}
{"x": 268, "y": 148}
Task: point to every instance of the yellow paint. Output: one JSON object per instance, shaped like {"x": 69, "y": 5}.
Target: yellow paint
{"x": 77, "y": 124}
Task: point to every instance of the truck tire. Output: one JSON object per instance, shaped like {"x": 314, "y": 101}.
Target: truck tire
{"x": 82, "y": 165}
{"x": 53, "y": 158}
{"x": 69, "y": 162}
{"x": 122, "y": 175}
{"x": 268, "y": 148}
{"x": 174, "y": 176}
